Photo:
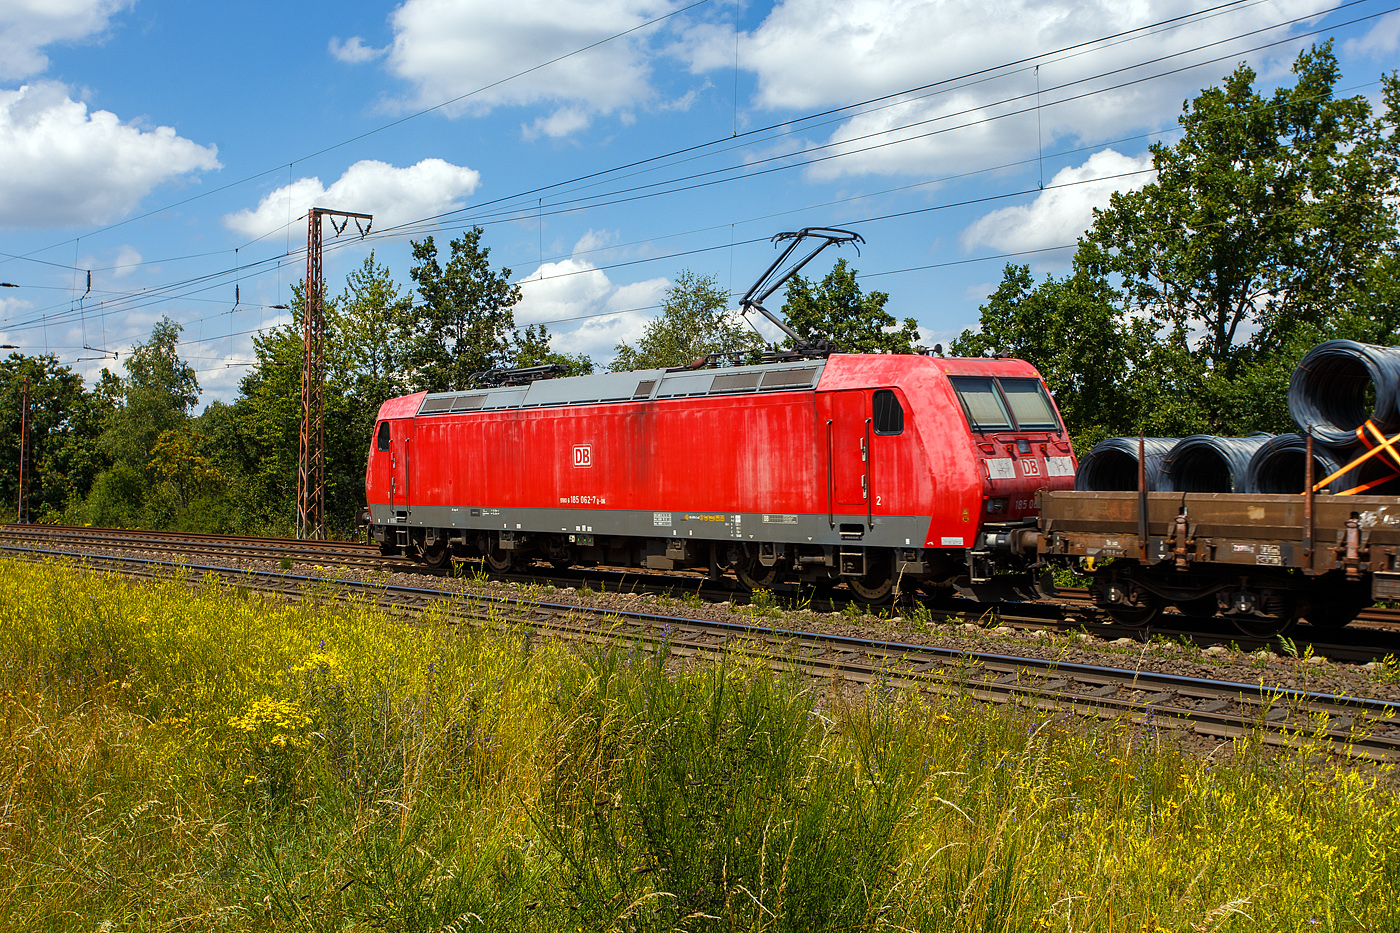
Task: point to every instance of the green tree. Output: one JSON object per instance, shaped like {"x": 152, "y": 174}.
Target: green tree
{"x": 180, "y": 459}
{"x": 838, "y": 311}
{"x": 1072, "y": 331}
{"x": 1266, "y": 216}
{"x": 1271, "y": 226}
{"x": 158, "y": 393}
{"x": 255, "y": 442}
{"x": 64, "y": 422}
{"x": 532, "y": 349}
{"x": 694, "y": 322}
{"x": 368, "y": 333}
{"x": 466, "y": 322}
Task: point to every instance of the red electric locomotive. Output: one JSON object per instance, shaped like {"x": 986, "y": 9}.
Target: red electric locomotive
{"x": 879, "y": 471}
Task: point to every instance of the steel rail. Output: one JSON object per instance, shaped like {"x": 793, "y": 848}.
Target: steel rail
{"x": 1353, "y": 726}
{"x": 1070, "y": 612}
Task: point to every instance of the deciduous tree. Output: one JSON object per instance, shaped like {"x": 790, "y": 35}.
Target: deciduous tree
{"x": 465, "y": 323}
{"x": 695, "y": 321}
{"x": 838, "y": 311}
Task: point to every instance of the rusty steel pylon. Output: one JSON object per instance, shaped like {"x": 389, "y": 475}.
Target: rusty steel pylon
{"x": 311, "y": 457}
{"x": 22, "y": 513}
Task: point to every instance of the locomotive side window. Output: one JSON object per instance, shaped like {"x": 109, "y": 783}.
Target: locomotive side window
{"x": 889, "y": 414}
{"x": 382, "y": 439}
{"x": 982, "y": 403}
{"x": 1029, "y": 406}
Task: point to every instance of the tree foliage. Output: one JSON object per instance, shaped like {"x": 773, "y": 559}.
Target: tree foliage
{"x": 466, "y": 321}
{"x": 838, "y": 311}
{"x": 695, "y": 321}
{"x": 1271, "y": 226}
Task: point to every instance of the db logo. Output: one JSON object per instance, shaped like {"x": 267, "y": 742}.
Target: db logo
{"x": 583, "y": 455}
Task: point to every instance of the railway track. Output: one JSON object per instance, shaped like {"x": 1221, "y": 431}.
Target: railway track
{"x": 1355, "y": 727}
{"x": 1376, "y": 634}
{"x": 1371, "y": 639}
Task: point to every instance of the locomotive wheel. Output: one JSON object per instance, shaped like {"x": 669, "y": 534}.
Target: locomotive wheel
{"x": 758, "y": 577}
{"x": 437, "y": 555}
{"x": 875, "y": 587}
{"x": 499, "y": 561}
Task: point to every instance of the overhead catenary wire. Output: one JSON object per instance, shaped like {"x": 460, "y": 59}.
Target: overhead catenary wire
{"x": 1077, "y": 48}
{"x": 865, "y": 220}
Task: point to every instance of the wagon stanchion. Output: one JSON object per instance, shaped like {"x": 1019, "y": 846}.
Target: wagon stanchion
{"x": 1142, "y": 496}
{"x": 1308, "y": 493}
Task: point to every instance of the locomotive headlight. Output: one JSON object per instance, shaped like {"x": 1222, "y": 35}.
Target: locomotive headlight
{"x": 996, "y": 505}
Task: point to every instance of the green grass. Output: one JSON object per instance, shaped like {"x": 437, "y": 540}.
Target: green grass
{"x": 185, "y": 756}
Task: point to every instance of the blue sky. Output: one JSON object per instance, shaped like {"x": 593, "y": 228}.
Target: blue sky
{"x": 173, "y": 148}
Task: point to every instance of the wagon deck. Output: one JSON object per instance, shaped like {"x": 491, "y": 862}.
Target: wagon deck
{"x": 1357, "y": 535}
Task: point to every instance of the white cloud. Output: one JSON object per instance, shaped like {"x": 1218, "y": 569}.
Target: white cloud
{"x": 1065, "y": 209}
{"x": 448, "y": 48}
{"x": 26, "y": 26}
{"x": 572, "y": 298}
{"x": 869, "y": 48}
{"x": 393, "y": 195}
{"x": 128, "y": 261}
{"x": 561, "y": 122}
{"x": 354, "y": 50}
{"x": 62, "y": 165}
{"x": 1382, "y": 39}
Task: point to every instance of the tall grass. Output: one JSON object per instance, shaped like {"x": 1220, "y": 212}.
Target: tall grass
{"x": 188, "y": 756}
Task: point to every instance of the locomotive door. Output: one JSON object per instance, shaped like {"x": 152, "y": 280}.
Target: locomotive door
{"x": 401, "y": 433}
{"x": 846, "y": 417}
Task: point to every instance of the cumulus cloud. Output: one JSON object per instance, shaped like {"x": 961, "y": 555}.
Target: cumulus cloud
{"x": 128, "y": 260}
{"x": 62, "y": 165}
{"x": 354, "y": 50}
{"x": 447, "y": 48}
{"x": 26, "y": 26}
{"x": 393, "y": 195}
{"x": 573, "y": 298}
{"x": 1382, "y": 39}
{"x": 869, "y": 48}
{"x": 1065, "y": 209}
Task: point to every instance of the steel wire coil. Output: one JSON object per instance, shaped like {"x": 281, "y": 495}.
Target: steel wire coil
{"x": 1112, "y": 466}
{"x": 1205, "y": 463}
{"x": 1341, "y": 384}
{"x": 1277, "y": 468}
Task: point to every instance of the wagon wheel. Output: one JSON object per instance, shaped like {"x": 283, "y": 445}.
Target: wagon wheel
{"x": 437, "y": 555}
{"x": 499, "y": 561}
{"x": 1202, "y": 607}
{"x": 1261, "y": 627}
{"x": 875, "y": 587}
{"x": 1139, "y": 616}
{"x": 1332, "y": 609}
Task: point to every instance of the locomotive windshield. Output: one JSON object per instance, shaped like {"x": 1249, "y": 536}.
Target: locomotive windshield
{"x": 1029, "y": 406}
{"x": 1005, "y": 404}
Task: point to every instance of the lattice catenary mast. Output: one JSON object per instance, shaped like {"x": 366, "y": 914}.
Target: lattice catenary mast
{"x": 311, "y": 459}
